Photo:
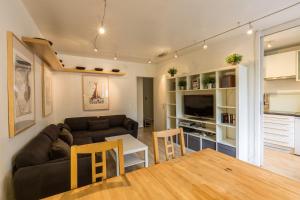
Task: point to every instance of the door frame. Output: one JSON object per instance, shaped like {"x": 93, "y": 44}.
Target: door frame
{"x": 259, "y": 84}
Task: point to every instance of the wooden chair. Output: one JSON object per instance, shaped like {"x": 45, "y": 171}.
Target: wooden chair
{"x": 93, "y": 149}
{"x": 167, "y": 135}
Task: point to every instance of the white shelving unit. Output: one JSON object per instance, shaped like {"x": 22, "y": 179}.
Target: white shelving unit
{"x": 229, "y": 138}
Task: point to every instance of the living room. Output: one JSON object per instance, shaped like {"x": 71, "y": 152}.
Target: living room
{"x": 68, "y": 54}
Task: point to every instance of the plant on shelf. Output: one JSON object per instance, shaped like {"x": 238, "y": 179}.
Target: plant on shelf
{"x": 182, "y": 84}
{"x": 208, "y": 82}
{"x": 172, "y": 71}
{"x": 234, "y": 59}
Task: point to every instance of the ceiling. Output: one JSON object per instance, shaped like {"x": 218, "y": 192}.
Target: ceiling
{"x": 283, "y": 39}
{"x": 139, "y": 30}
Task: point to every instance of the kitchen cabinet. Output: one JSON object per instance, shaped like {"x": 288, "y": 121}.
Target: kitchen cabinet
{"x": 279, "y": 131}
{"x": 281, "y": 65}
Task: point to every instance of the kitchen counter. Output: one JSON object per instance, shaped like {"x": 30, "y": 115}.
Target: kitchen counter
{"x": 273, "y": 112}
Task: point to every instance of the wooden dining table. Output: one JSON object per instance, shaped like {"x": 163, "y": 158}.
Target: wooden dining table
{"x": 201, "y": 175}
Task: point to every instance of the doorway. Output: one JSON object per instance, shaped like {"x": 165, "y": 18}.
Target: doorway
{"x": 281, "y": 102}
{"x": 145, "y": 102}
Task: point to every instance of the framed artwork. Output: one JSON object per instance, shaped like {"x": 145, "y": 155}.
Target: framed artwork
{"x": 20, "y": 82}
{"x": 47, "y": 90}
{"x": 95, "y": 92}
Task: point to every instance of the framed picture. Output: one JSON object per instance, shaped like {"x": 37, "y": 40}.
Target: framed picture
{"x": 20, "y": 82}
{"x": 47, "y": 90}
{"x": 95, "y": 92}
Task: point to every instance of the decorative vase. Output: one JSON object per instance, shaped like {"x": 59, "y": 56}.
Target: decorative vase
{"x": 209, "y": 86}
{"x": 181, "y": 87}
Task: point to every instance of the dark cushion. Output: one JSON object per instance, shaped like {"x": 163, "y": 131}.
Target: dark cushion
{"x": 66, "y": 126}
{"x": 128, "y": 124}
{"x": 78, "y": 123}
{"x": 59, "y": 149}
{"x": 52, "y": 131}
{"x": 82, "y": 140}
{"x": 66, "y": 136}
{"x": 99, "y": 136}
{"x": 35, "y": 152}
{"x": 115, "y": 120}
{"x": 99, "y": 124}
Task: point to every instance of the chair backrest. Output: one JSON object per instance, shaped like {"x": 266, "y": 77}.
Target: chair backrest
{"x": 168, "y": 135}
{"x": 92, "y": 149}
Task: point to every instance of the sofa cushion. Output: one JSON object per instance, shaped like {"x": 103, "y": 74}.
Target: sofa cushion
{"x": 59, "y": 149}
{"x": 99, "y": 124}
{"x": 99, "y": 136}
{"x": 82, "y": 140}
{"x": 52, "y": 131}
{"x": 61, "y": 126}
{"x": 78, "y": 123}
{"x": 35, "y": 152}
{"x": 66, "y": 136}
{"x": 128, "y": 124}
{"x": 115, "y": 120}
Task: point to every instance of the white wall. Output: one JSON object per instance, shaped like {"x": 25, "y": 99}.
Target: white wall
{"x": 14, "y": 17}
{"x": 122, "y": 89}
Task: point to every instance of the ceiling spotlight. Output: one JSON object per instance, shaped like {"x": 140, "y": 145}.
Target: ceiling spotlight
{"x": 115, "y": 58}
{"x": 175, "y": 55}
{"x": 149, "y": 61}
{"x": 204, "y": 45}
{"x": 95, "y": 49}
{"x": 101, "y": 30}
{"x": 269, "y": 45}
{"x": 250, "y": 29}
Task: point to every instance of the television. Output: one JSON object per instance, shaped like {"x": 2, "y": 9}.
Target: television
{"x": 199, "y": 105}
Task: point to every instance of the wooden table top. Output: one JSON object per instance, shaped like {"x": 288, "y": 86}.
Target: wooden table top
{"x": 202, "y": 175}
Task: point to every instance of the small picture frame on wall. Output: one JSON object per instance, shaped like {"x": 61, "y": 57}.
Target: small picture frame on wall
{"x": 47, "y": 90}
{"x": 95, "y": 92}
{"x": 20, "y": 82}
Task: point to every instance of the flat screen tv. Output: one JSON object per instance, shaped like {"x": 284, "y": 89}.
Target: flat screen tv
{"x": 199, "y": 105}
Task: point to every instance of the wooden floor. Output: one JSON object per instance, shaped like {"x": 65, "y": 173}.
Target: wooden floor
{"x": 282, "y": 163}
{"x": 278, "y": 162}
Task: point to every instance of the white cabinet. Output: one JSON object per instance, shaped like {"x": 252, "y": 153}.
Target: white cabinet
{"x": 297, "y": 136}
{"x": 281, "y": 65}
{"x": 279, "y": 131}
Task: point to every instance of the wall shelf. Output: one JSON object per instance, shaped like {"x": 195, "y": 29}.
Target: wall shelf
{"x": 43, "y": 49}
{"x": 92, "y": 72}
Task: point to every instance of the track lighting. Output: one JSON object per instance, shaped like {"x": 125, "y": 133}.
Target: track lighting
{"x": 250, "y": 29}
{"x": 269, "y": 45}
{"x": 115, "y": 58}
{"x": 95, "y": 49}
{"x": 149, "y": 61}
{"x": 101, "y": 30}
{"x": 175, "y": 55}
{"x": 204, "y": 45}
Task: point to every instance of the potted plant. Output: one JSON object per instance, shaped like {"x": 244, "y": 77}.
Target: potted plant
{"x": 182, "y": 84}
{"x": 208, "y": 82}
{"x": 172, "y": 71}
{"x": 234, "y": 59}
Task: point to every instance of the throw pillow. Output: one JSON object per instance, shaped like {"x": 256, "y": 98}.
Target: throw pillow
{"x": 127, "y": 123}
{"x": 99, "y": 124}
{"x": 66, "y": 126}
{"x": 66, "y": 136}
{"x": 59, "y": 149}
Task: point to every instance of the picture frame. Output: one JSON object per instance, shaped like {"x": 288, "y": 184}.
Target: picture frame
{"x": 47, "y": 90}
{"x": 95, "y": 92}
{"x": 21, "y": 85}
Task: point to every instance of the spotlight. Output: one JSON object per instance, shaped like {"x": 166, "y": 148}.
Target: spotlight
{"x": 175, "y": 55}
{"x": 101, "y": 30}
{"x": 149, "y": 61}
{"x": 269, "y": 45}
{"x": 204, "y": 45}
{"x": 96, "y": 50}
{"x": 250, "y": 29}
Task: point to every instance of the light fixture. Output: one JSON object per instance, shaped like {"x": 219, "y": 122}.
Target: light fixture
{"x": 269, "y": 45}
{"x": 175, "y": 55}
{"x": 250, "y": 29}
{"x": 101, "y": 30}
{"x": 204, "y": 45}
{"x": 115, "y": 58}
{"x": 149, "y": 61}
{"x": 95, "y": 49}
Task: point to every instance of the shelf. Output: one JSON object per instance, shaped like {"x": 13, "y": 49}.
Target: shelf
{"x": 226, "y": 125}
{"x": 198, "y": 128}
{"x": 199, "y": 121}
{"x": 43, "y": 49}
{"x": 196, "y": 90}
{"x": 228, "y": 141}
{"x": 229, "y": 88}
{"x": 173, "y": 117}
{"x": 132, "y": 159}
{"x": 227, "y": 107}
{"x": 92, "y": 72}
{"x": 171, "y": 91}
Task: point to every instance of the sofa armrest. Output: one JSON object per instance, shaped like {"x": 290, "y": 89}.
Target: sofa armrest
{"x": 39, "y": 181}
{"x": 133, "y": 127}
